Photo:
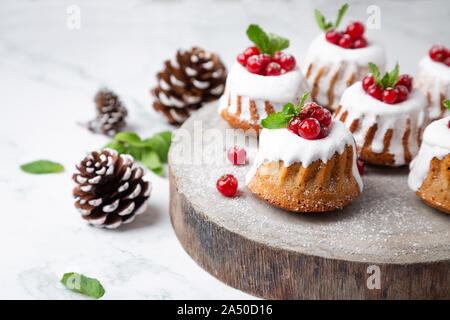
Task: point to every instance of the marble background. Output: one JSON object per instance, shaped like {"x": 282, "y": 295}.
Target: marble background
{"x": 48, "y": 76}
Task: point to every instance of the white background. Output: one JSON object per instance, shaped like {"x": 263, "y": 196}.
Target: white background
{"x": 48, "y": 76}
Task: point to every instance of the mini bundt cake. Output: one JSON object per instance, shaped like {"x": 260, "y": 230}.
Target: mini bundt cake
{"x": 335, "y": 60}
{"x": 386, "y": 117}
{"x": 430, "y": 170}
{"x": 308, "y": 166}
{"x": 433, "y": 79}
{"x": 261, "y": 82}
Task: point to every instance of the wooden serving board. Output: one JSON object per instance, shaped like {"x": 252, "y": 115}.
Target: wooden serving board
{"x": 272, "y": 253}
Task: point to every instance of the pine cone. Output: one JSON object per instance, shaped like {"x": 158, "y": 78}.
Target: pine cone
{"x": 109, "y": 191}
{"x": 111, "y": 113}
{"x": 192, "y": 79}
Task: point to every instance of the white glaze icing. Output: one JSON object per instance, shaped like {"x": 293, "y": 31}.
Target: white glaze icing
{"x": 278, "y": 90}
{"x": 435, "y": 144}
{"x": 359, "y": 105}
{"x": 433, "y": 78}
{"x": 348, "y": 62}
{"x": 282, "y": 144}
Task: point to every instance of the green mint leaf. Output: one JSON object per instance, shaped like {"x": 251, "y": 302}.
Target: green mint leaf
{"x": 116, "y": 145}
{"x": 266, "y": 43}
{"x": 42, "y": 167}
{"x": 259, "y": 38}
{"x": 277, "y": 43}
{"x": 446, "y": 104}
{"x": 375, "y": 72}
{"x": 166, "y": 135}
{"x": 302, "y": 101}
{"x": 393, "y": 76}
{"x": 340, "y": 15}
{"x": 128, "y": 137}
{"x": 289, "y": 109}
{"x": 385, "y": 80}
{"x": 276, "y": 120}
{"x": 159, "y": 145}
{"x": 321, "y": 20}
{"x": 82, "y": 284}
{"x": 151, "y": 160}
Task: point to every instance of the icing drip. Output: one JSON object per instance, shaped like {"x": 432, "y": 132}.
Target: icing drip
{"x": 278, "y": 90}
{"x": 282, "y": 144}
{"x": 433, "y": 79}
{"x": 338, "y": 67}
{"x": 358, "y": 105}
{"x": 435, "y": 144}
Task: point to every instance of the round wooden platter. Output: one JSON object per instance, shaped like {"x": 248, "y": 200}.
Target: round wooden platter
{"x": 387, "y": 234}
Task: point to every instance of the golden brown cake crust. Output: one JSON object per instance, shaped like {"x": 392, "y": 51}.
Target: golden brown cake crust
{"x": 435, "y": 189}
{"x": 365, "y": 153}
{"x": 234, "y": 121}
{"x": 318, "y": 188}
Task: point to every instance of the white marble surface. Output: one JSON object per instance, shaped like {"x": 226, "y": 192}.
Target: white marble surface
{"x": 48, "y": 76}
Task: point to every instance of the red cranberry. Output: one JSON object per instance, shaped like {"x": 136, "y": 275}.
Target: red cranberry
{"x": 277, "y": 56}
{"x": 438, "y": 53}
{"x": 360, "y": 165}
{"x": 287, "y": 62}
{"x": 272, "y": 69}
{"x": 389, "y": 96}
{"x": 227, "y": 185}
{"x": 355, "y": 30}
{"x": 345, "y": 42}
{"x": 309, "y": 129}
{"x": 359, "y": 43}
{"x": 266, "y": 59}
{"x": 242, "y": 59}
{"x": 326, "y": 121}
{"x": 255, "y": 64}
{"x": 251, "y": 51}
{"x": 236, "y": 155}
{"x": 312, "y": 110}
{"x": 449, "y": 124}
{"x": 447, "y": 61}
{"x": 324, "y": 131}
{"x": 375, "y": 91}
{"x": 402, "y": 93}
{"x": 294, "y": 124}
{"x": 405, "y": 80}
{"x": 367, "y": 81}
{"x": 333, "y": 36}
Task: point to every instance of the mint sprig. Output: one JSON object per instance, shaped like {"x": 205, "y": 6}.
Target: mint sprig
{"x": 266, "y": 42}
{"x": 388, "y": 80}
{"x": 79, "y": 283}
{"x": 152, "y": 152}
{"x": 446, "y": 104}
{"x": 281, "y": 119}
{"x": 42, "y": 167}
{"x": 324, "y": 25}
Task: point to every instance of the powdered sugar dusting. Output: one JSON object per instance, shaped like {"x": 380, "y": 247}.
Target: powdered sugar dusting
{"x": 386, "y": 224}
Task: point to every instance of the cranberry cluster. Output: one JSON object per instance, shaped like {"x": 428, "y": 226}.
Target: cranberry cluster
{"x": 352, "y": 38}
{"x": 397, "y": 94}
{"x": 439, "y": 53}
{"x": 265, "y": 65}
{"x": 313, "y": 122}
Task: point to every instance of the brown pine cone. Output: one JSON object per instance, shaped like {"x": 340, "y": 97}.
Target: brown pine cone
{"x": 111, "y": 113}
{"x": 192, "y": 79}
{"x": 109, "y": 191}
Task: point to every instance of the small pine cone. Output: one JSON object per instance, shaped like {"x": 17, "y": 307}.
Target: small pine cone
{"x": 192, "y": 79}
{"x": 109, "y": 190}
{"x": 111, "y": 113}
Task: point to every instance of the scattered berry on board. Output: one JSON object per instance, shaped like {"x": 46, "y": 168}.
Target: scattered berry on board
{"x": 236, "y": 155}
{"x": 227, "y": 185}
